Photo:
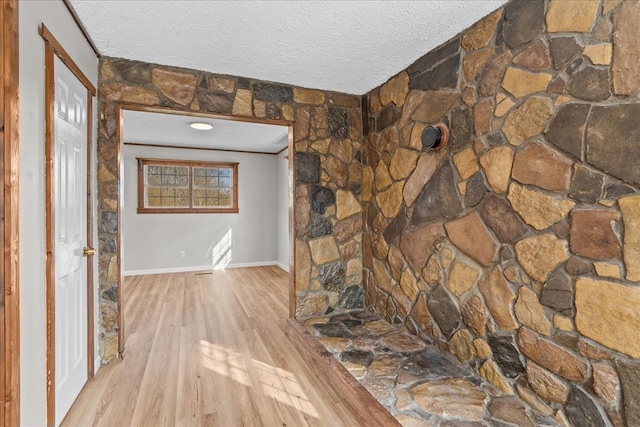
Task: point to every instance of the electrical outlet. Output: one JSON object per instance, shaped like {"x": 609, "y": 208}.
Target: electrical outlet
{"x": 182, "y": 254}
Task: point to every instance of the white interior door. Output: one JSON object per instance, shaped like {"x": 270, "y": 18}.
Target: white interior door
{"x": 70, "y": 213}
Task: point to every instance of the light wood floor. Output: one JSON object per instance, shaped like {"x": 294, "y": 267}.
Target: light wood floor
{"x": 208, "y": 350}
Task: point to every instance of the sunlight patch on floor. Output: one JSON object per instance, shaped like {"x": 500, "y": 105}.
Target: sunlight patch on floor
{"x": 276, "y": 383}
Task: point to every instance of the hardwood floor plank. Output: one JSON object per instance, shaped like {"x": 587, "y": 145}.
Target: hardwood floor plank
{"x": 209, "y": 350}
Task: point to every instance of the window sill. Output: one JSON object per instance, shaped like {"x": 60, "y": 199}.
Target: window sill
{"x": 187, "y": 211}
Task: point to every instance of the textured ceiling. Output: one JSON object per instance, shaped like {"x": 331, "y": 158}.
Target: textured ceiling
{"x": 345, "y": 46}
{"x": 167, "y": 129}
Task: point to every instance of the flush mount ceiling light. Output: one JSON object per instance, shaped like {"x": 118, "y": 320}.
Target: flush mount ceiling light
{"x": 201, "y": 125}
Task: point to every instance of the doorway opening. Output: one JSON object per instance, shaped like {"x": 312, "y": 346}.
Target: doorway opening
{"x": 173, "y": 186}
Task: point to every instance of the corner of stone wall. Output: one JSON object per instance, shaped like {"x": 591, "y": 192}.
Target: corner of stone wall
{"x": 517, "y": 247}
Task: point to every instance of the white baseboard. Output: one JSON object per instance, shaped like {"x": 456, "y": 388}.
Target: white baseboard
{"x": 201, "y": 268}
{"x": 282, "y": 266}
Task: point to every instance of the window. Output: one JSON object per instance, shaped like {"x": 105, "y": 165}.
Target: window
{"x": 176, "y": 186}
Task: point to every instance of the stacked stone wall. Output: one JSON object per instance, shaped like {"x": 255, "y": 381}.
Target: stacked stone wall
{"x": 517, "y": 247}
{"x": 327, "y": 129}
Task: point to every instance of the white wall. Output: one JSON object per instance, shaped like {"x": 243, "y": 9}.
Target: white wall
{"x": 282, "y": 214}
{"x": 32, "y": 198}
{"x": 152, "y": 242}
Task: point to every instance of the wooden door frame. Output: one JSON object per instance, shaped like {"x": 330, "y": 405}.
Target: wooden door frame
{"x": 120, "y": 109}
{"x": 9, "y": 237}
{"x": 53, "y": 47}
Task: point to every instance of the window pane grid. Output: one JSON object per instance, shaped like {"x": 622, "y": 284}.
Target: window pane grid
{"x": 187, "y": 186}
{"x": 212, "y": 187}
{"x": 167, "y": 186}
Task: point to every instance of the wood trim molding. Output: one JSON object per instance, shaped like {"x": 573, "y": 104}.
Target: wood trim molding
{"x": 66, "y": 58}
{"x": 9, "y": 230}
{"x": 50, "y": 232}
{"x": 90, "y": 243}
{"x": 166, "y": 110}
{"x": 364, "y": 405}
{"x": 179, "y": 147}
{"x": 292, "y": 227}
{"x": 53, "y": 47}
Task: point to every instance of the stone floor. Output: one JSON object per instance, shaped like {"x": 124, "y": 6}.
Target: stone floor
{"x": 417, "y": 383}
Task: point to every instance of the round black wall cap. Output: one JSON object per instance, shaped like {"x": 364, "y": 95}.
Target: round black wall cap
{"x": 434, "y": 137}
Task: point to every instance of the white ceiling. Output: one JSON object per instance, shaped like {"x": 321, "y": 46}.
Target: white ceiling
{"x": 347, "y": 46}
{"x": 169, "y": 129}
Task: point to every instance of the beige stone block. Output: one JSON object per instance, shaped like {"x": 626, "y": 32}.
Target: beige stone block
{"x": 481, "y": 348}
{"x": 426, "y": 167}
{"x": 529, "y": 311}
{"x": 462, "y": 187}
{"x": 599, "y": 54}
{"x": 382, "y": 176}
{"x": 609, "y": 5}
{"x": 354, "y": 369}
{"x": 520, "y": 83}
{"x": 354, "y": 266}
{"x": 336, "y": 344}
{"x": 607, "y": 269}
{"x": 461, "y": 345}
{"x": 243, "y": 103}
{"x": 532, "y": 399}
{"x": 288, "y": 112}
{"x": 504, "y": 106}
{"x": 367, "y": 183}
{"x": 491, "y": 372}
{"x": 630, "y": 208}
{"x": 347, "y": 204}
{"x": 497, "y": 164}
{"x": 465, "y": 163}
{"x": 451, "y": 396}
{"x": 605, "y": 382}
{"x": 221, "y": 84}
{"x": 540, "y": 255}
{"x": 536, "y": 208}
{"x": 409, "y": 284}
{"x": 607, "y": 312}
{"x": 498, "y": 297}
{"x": 547, "y": 385}
{"x": 403, "y": 163}
{"x": 461, "y": 278}
{"x": 178, "y": 87}
{"x": 259, "y": 109}
{"x": 390, "y": 200}
{"x": 120, "y": 92}
{"x": 324, "y": 250}
{"x": 112, "y": 270}
{"x": 321, "y": 145}
{"x": 575, "y": 16}
{"x": 308, "y": 96}
{"x": 527, "y": 121}
{"x": 104, "y": 174}
{"x": 395, "y": 90}
{"x": 562, "y": 323}
{"x": 303, "y": 265}
{"x": 105, "y": 71}
{"x": 479, "y": 35}
{"x": 474, "y": 61}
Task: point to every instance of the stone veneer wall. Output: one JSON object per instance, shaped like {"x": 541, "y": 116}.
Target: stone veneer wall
{"x": 327, "y": 210}
{"x": 517, "y": 247}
